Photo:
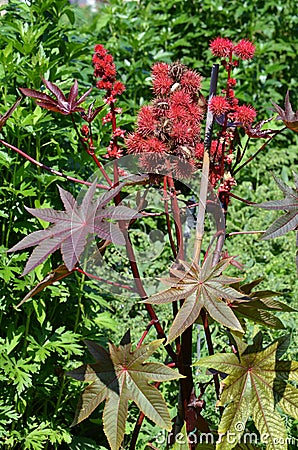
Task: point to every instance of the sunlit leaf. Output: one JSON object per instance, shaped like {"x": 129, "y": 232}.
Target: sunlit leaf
{"x": 256, "y": 386}
{"x": 117, "y": 376}
{"x": 201, "y": 287}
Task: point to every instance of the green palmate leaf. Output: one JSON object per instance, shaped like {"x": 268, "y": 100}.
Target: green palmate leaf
{"x": 201, "y": 287}
{"x": 257, "y": 383}
{"x": 289, "y": 221}
{"x": 119, "y": 375}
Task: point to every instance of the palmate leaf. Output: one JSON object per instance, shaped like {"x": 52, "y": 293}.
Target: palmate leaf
{"x": 287, "y": 115}
{"x": 71, "y": 227}
{"x": 117, "y": 376}
{"x": 256, "y": 385}
{"x": 62, "y": 104}
{"x": 259, "y": 305}
{"x": 201, "y": 288}
{"x": 287, "y": 222}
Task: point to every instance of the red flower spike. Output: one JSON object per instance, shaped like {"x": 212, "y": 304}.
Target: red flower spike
{"x": 221, "y": 47}
{"x": 135, "y": 143}
{"x": 244, "y": 49}
{"x": 85, "y": 130}
{"x": 119, "y": 133}
{"x": 62, "y": 105}
{"x": 245, "y": 114}
{"x": 219, "y": 105}
{"x": 154, "y": 145}
{"x": 183, "y": 168}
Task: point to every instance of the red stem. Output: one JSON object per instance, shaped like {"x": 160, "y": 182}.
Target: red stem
{"x": 90, "y": 150}
{"x": 177, "y": 220}
{"x": 145, "y": 333}
{"x": 143, "y": 295}
{"x": 113, "y": 283}
{"x": 204, "y": 317}
{"x": 49, "y": 169}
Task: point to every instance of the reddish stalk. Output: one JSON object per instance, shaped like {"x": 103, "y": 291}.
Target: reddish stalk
{"x": 150, "y": 324}
{"x": 177, "y": 220}
{"x": 49, "y": 169}
{"x": 90, "y": 150}
{"x": 142, "y": 293}
{"x": 112, "y": 283}
{"x": 204, "y": 317}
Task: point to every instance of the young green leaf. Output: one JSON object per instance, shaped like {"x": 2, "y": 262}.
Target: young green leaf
{"x": 201, "y": 287}
{"x": 257, "y": 383}
{"x": 117, "y": 376}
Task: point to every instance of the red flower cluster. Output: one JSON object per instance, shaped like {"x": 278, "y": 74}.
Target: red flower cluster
{"x": 224, "y": 48}
{"x": 105, "y": 69}
{"x": 239, "y": 115}
{"x": 171, "y": 123}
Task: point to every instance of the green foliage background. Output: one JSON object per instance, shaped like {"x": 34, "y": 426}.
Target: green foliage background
{"x": 53, "y": 39}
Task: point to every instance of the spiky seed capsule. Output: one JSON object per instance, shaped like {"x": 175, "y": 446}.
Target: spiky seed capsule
{"x": 176, "y": 71}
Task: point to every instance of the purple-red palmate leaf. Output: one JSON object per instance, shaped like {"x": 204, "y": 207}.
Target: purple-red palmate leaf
{"x": 118, "y": 376}
{"x": 71, "y": 227}
{"x": 61, "y": 104}
{"x": 287, "y": 115}
{"x": 257, "y": 132}
{"x": 288, "y": 221}
{"x": 200, "y": 287}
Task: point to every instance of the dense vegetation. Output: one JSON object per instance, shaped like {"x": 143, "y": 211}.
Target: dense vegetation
{"x": 43, "y": 338}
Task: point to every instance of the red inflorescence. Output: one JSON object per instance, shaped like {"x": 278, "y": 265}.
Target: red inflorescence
{"x": 224, "y": 48}
{"x": 219, "y": 105}
{"x": 244, "y": 49}
{"x": 105, "y": 70}
{"x": 191, "y": 82}
{"x": 245, "y": 114}
{"x": 170, "y": 125}
{"x": 146, "y": 121}
{"x": 221, "y": 47}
